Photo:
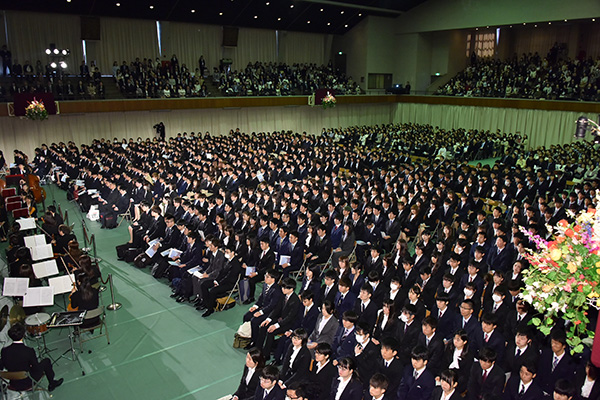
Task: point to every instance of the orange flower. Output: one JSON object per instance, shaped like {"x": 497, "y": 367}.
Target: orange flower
{"x": 577, "y": 228}
{"x": 577, "y": 322}
{"x": 569, "y": 232}
{"x": 580, "y": 288}
{"x": 563, "y": 222}
{"x": 560, "y": 239}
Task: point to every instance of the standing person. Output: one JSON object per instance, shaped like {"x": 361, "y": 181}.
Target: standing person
{"x": 6, "y": 57}
{"x": 18, "y": 357}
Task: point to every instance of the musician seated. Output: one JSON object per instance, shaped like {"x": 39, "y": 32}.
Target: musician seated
{"x": 84, "y": 297}
{"x": 60, "y": 243}
{"x": 18, "y": 357}
{"x": 49, "y": 227}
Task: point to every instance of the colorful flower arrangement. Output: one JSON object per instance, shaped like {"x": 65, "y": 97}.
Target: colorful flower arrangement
{"x": 36, "y": 110}
{"x": 562, "y": 281}
{"x": 328, "y": 101}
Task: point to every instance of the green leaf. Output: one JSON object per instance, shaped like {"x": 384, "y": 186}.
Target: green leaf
{"x": 578, "y": 348}
{"x": 549, "y": 321}
{"x": 545, "y": 330}
{"x": 587, "y": 289}
{"x": 536, "y": 321}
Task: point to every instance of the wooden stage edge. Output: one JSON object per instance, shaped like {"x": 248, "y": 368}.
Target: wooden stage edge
{"x": 98, "y": 106}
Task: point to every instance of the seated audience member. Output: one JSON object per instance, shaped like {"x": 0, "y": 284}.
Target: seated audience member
{"x": 264, "y": 262}
{"x": 433, "y": 342}
{"x": 407, "y": 333}
{"x": 296, "y": 363}
{"x": 269, "y": 388}
{"x": 347, "y": 386}
{"x": 345, "y": 337}
{"x": 364, "y": 307}
{"x": 486, "y": 376}
{"x": 520, "y": 350}
{"x": 325, "y": 329}
{"x": 448, "y": 389}
{"x": 378, "y": 386}
{"x": 417, "y": 381}
{"x": 555, "y": 362}
{"x": 222, "y": 284}
{"x": 329, "y": 288}
{"x": 250, "y": 376}
{"x": 586, "y": 383}
{"x": 344, "y": 299}
{"x": 366, "y": 352}
{"x": 386, "y": 322}
{"x": 522, "y": 386}
{"x": 297, "y": 391}
{"x": 458, "y": 357}
{"x": 18, "y": 357}
{"x": 389, "y": 365}
{"x": 563, "y": 390}
{"x": 491, "y": 337}
{"x": 266, "y": 303}
{"x": 322, "y": 372}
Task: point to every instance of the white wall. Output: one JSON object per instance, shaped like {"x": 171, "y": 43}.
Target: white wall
{"x": 354, "y": 44}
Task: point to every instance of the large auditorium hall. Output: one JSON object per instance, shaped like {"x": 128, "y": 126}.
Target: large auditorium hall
{"x": 300, "y": 200}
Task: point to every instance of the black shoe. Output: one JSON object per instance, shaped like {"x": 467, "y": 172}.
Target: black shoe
{"x": 53, "y": 385}
{"x": 249, "y": 301}
{"x": 207, "y": 313}
{"x": 249, "y": 346}
{"x": 201, "y": 307}
{"x": 173, "y": 295}
{"x": 180, "y": 299}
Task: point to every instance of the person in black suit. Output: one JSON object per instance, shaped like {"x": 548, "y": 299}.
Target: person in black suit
{"x": 486, "y": 376}
{"x": 387, "y": 319}
{"x": 433, "y": 342}
{"x": 499, "y": 306}
{"x": 322, "y": 372}
{"x": 586, "y": 383}
{"x": 366, "y": 353}
{"x": 266, "y": 303}
{"x": 18, "y": 357}
{"x": 329, "y": 288}
{"x": 417, "y": 382}
{"x": 500, "y": 255}
{"x": 378, "y": 387}
{"x": 520, "y": 350}
{"x": 448, "y": 389}
{"x": 555, "y": 362}
{"x": 296, "y": 363}
{"x": 445, "y": 316}
{"x": 347, "y": 386}
{"x": 282, "y": 318}
{"x": 296, "y": 250}
{"x": 389, "y": 364}
{"x": 517, "y": 319}
{"x": 319, "y": 251}
{"x": 522, "y": 386}
{"x": 344, "y": 298}
{"x": 364, "y": 307}
{"x": 458, "y": 357}
{"x": 563, "y": 390}
{"x": 222, "y": 284}
{"x": 269, "y": 388}
{"x": 491, "y": 337}
{"x": 407, "y": 332}
{"x": 264, "y": 263}
{"x": 250, "y": 376}
{"x": 467, "y": 321}
{"x": 344, "y": 340}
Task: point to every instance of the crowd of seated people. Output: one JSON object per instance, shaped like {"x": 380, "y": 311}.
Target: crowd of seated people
{"x": 87, "y": 85}
{"x": 279, "y": 79}
{"x": 158, "y": 78}
{"x": 390, "y": 318}
{"x": 529, "y": 76}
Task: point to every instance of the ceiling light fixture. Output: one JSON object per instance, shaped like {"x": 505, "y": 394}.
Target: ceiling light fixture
{"x": 341, "y": 12}
{"x": 345, "y": 26}
{"x": 321, "y": 10}
{"x": 220, "y": 13}
{"x": 292, "y": 6}
{"x": 549, "y": 23}
{"x": 267, "y": 3}
{"x": 278, "y": 19}
{"x": 565, "y": 20}
{"x": 256, "y": 17}
{"x": 329, "y": 23}
{"x": 593, "y": 19}
{"x": 152, "y": 7}
{"x": 308, "y": 22}
{"x": 193, "y": 11}
{"x": 118, "y": 4}
{"x": 360, "y": 15}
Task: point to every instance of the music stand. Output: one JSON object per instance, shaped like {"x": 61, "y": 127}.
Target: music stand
{"x": 69, "y": 319}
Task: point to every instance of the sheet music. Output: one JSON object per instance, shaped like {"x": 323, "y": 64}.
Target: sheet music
{"x": 62, "y": 284}
{"x": 42, "y": 252}
{"x": 284, "y": 260}
{"x": 45, "y": 268}
{"x": 15, "y": 286}
{"x": 35, "y": 240}
{"x": 26, "y": 223}
{"x": 38, "y": 296}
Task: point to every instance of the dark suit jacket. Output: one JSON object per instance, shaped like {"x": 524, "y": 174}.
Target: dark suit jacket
{"x": 411, "y": 389}
{"x": 299, "y": 369}
{"x": 546, "y": 377}
{"x": 265, "y": 263}
{"x": 435, "y": 351}
{"x": 308, "y": 321}
{"x": 330, "y": 296}
{"x": 345, "y": 304}
{"x": 495, "y": 341}
{"x": 276, "y": 393}
{"x": 512, "y": 363}
{"x": 246, "y": 391}
{"x": 394, "y": 374}
{"x": 511, "y": 391}
{"x": 369, "y": 315}
{"x": 494, "y": 382}
{"x": 407, "y": 339}
{"x": 18, "y": 357}
{"x": 390, "y": 327}
{"x": 285, "y": 313}
{"x": 437, "y": 394}
{"x": 323, "y": 380}
{"x": 343, "y": 348}
{"x": 366, "y": 362}
{"x": 268, "y": 301}
{"x": 354, "y": 390}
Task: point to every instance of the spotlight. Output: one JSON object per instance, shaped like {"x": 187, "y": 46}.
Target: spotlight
{"x": 53, "y": 65}
{"x": 63, "y": 65}
{"x": 56, "y": 51}
{"x": 48, "y": 51}
{"x": 64, "y": 52}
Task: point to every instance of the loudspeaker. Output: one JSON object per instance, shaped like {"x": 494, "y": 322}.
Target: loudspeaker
{"x": 90, "y": 28}
{"x": 230, "y": 36}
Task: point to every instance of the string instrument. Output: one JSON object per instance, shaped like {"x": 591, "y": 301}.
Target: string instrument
{"x": 39, "y": 193}
{"x": 2, "y": 184}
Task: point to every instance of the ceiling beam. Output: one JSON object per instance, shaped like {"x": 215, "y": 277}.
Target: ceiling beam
{"x": 357, "y": 6}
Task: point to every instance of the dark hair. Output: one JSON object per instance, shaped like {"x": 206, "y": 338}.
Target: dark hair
{"x": 257, "y": 357}
{"x": 307, "y": 295}
{"x": 350, "y": 316}
{"x": 270, "y": 373}
{"x": 16, "y": 332}
{"x": 450, "y": 376}
{"x": 288, "y": 283}
{"x": 367, "y": 288}
{"x": 301, "y": 334}
{"x": 324, "y": 349}
{"x": 379, "y": 381}
{"x": 349, "y": 364}
{"x": 559, "y": 335}
{"x": 487, "y": 354}
{"x": 328, "y": 304}
{"x": 430, "y": 321}
{"x": 419, "y": 352}
{"x": 490, "y": 318}
{"x": 363, "y": 327}
{"x": 390, "y": 343}
{"x": 273, "y": 273}
{"x": 530, "y": 366}
{"x": 564, "y": 388}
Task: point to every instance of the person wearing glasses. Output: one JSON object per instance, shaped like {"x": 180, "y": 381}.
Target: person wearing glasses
{"x": 347, "y": 386}
{"x": 268, "y": 388}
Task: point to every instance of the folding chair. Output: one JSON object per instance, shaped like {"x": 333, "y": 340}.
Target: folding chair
{"x": 90, "y": 315}
{"x": 8, "y": 379}
{"x": 232, "y": 292}
{"x": 126, "y": 214}
{"x": 300, "y": 273}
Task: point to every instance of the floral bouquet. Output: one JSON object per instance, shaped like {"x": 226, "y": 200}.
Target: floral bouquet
{"x": 36, "y": 110}
{"x": 562, "y": 281}
{"x": 328, "y": 101}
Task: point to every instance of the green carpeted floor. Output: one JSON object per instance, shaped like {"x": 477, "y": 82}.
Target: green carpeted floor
{"x": 159, "y": 349}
